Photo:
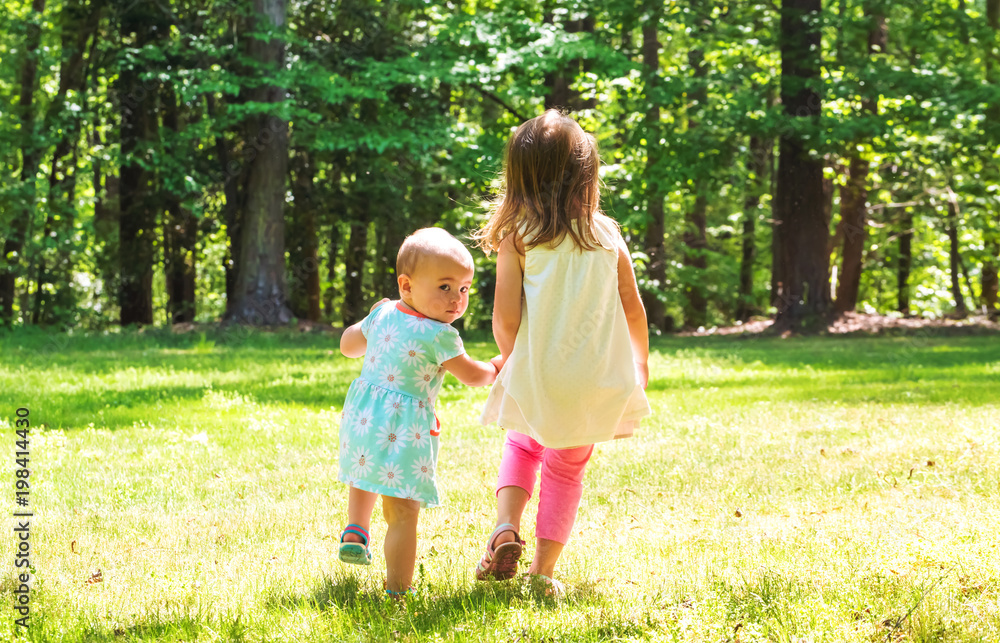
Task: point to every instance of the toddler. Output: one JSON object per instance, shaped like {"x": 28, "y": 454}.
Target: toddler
{"x": 388, "y": 430}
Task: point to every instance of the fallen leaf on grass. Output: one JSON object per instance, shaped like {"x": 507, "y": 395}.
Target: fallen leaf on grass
{"x": 738, "y": 513}
{"x": 72, "y": 548}
{"x": 95, "y": 577}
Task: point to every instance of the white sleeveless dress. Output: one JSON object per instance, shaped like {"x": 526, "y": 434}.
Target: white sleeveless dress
{"x": 570, "y": 380}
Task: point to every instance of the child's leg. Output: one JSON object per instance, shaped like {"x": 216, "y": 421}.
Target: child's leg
{"x": 518, "y": 466}
{"x": 400, "y": 541}
{"x": 558, "y": 500}
{"x": 359, "y": 511}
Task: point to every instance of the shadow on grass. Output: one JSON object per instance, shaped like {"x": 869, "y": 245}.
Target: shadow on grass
{"x": 481, "y": 606}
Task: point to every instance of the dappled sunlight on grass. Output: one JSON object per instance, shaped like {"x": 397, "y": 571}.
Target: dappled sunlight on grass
{"x": 809, "y": 489}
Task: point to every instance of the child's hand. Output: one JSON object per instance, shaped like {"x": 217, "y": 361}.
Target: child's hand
{"x": 642, "y": 373}
{"x": 497, "y": 363}
{"x": 379, "y": 303}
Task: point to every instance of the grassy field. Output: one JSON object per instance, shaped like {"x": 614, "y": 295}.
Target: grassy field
{"x": 827, "y": 489}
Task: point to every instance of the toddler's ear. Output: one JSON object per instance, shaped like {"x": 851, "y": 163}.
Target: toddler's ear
{"x": 405, "y": 285}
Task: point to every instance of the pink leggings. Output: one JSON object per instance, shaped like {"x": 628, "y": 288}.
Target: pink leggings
{"x": 561, "y": 486}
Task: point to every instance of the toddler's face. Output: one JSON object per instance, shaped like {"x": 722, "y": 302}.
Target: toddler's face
{"x": 439, "y": 288}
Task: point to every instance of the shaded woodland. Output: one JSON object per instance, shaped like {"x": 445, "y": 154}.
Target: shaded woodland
{"x": 260, "y": 161}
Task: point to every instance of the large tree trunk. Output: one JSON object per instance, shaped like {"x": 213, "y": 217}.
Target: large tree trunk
{"x": 905, "y": 263}
{"x": 656, "y": 272}
{"x": 260, "y": 295}
{"x": 180, "y": 233}
{"x": 758, "y": 166}
{"x": 13, "y": 246}
{"x": 137, "y": 221}
{"x": 805, "y": 300}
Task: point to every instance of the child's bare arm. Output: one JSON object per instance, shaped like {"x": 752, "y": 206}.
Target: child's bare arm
{"x": 352, "y": 342}
{"x": 635, "y": 313}
{"x": 507, "y": 299}
{"x": 469, "y": 371}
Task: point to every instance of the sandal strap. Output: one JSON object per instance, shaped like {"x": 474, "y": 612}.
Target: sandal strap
{"x": 357, "y": 530}
{"x": 496, "y": 532}
{"x": 402, "y": 592}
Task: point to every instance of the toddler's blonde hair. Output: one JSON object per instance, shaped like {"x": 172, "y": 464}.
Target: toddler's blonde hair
{"x": 430, "y": 242}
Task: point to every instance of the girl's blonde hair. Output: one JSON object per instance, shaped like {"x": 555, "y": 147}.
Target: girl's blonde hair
{"x": 550, "y": 180}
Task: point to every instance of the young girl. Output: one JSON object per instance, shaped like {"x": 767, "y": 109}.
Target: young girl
{"x": 572, "y": 336}
{"x": 388, "y": 430}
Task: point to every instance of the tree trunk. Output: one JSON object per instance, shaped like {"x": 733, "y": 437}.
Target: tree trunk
{"x": 954, "y": 257}
{"x": 805, "y": 299}
{"x": 695, "y": 245}
{"x": 333, "y": 253}
{"x": 55, "y": 300}
{"x": 656, "y": 272}
{"x": 180, "y": 233}
{"x": 13, "y": 246}
{"x": 231, "y": 178}
{"x": 758, "y": 166}
{"x": 303, "y": 243}
{"x": 260, "y": 295}
{"x": 338, "y": 214}
{"x": 137, "y": 221}
{"x": 991, "y": 234}
{"x": 853, "y": 212}
{"x": 853, "y": 203}
{"x": 695, "y": 235}
{"x": 354, "y": 269}
{"x": 905, "y": 263}
{"x": 560, "y": 95}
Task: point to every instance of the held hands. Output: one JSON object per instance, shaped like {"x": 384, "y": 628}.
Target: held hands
{"x": 497, "y": 363}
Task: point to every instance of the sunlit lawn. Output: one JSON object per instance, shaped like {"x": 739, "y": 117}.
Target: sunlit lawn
{"x": 785, "y": 490}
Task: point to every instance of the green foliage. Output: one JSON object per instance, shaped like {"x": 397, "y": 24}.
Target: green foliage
{"x": 401, "y": 111}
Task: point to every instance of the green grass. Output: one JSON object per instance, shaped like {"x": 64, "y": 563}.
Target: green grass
{"x": 822, "y": 489}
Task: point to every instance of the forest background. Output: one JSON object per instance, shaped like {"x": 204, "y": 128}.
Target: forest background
{"x": 261, "y": 160}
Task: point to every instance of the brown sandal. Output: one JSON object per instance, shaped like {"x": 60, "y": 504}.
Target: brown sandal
{"x": 500, "y": 563}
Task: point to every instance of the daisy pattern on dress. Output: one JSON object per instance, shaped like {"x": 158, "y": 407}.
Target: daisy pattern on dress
{"x": 423, "y": 468}
{"x": 391, "y": 377}
{"x": 361, "y": 422}
{"x": 391, "y": 475}
{"x": 417, "y": 324}
{"x": 391, "y": 439}
{"x": 424, "y": 409}
{"x": 387, "y": 337}
{"x": 409, "y": 493}
{"x": 371, "y": 355}
{"x": 412, "y": 353}
{"x": 425, "y": 376}
{"x": 361, "y": 462}
{"x": 418, "y": 437}
{"x": 393, "y": 406}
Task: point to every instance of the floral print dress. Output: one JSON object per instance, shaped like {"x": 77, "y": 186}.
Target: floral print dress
{"x": 388, "y": 429}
